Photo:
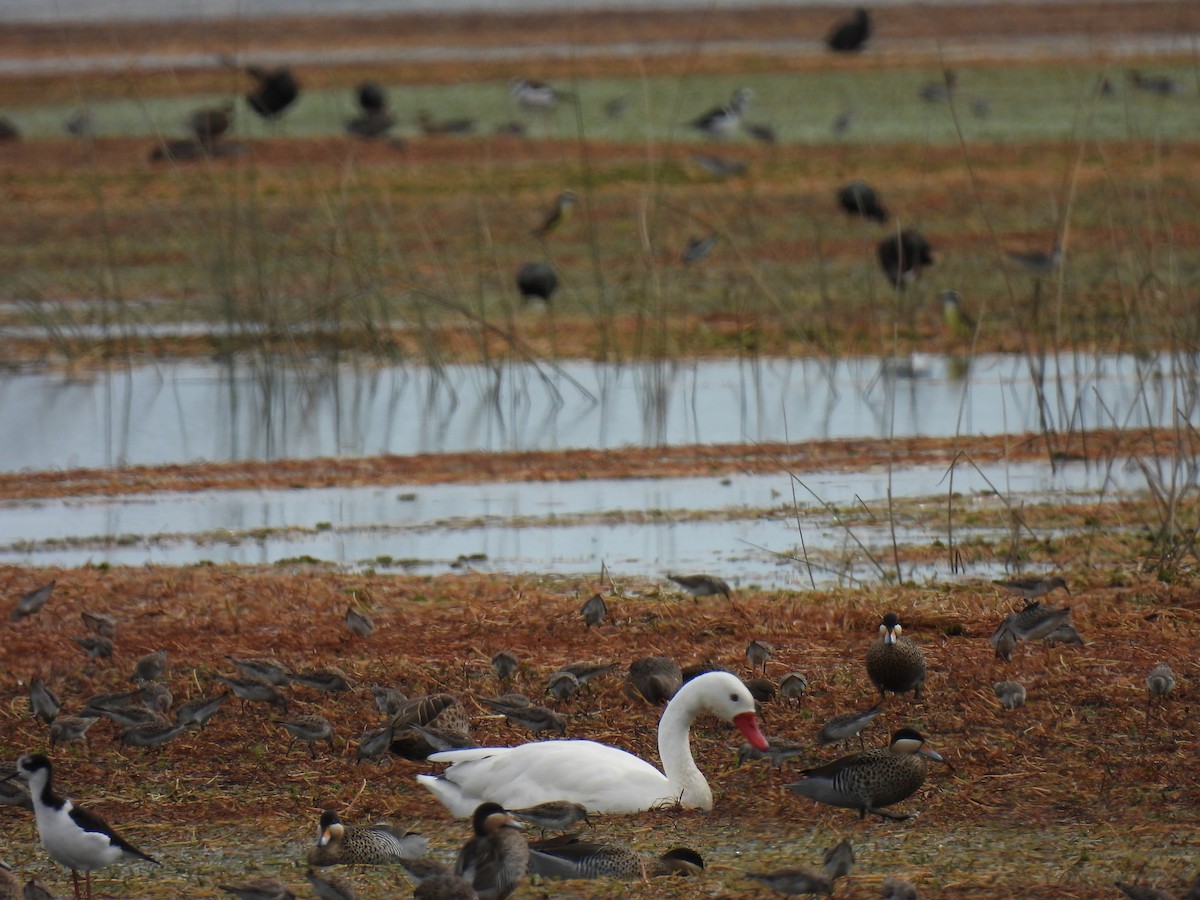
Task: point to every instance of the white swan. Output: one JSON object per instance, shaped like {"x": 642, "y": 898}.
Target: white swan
{"x": 602, "y": 778}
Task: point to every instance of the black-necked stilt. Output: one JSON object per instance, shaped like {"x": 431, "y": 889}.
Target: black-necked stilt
{"x": 73, "y": 836}
{"x": 724, "y": 120}
{"x": 851, "y": 35}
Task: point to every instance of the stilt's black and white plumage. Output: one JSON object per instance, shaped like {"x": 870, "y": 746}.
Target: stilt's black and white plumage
{"x": 74, "y": 837}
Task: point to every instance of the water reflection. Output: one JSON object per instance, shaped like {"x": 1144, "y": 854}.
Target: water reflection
{"x": 184, "y": 412}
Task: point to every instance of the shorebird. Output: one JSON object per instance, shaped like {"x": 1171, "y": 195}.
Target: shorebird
{"x": 495, "y": 859}
{"x": 13, "y": 791}
{"x": 330, "y": 887}
{"x": 32, "y": 601}
{"x": 564, "y": 203}
{"x": 69, "y": 729}
{"x": 779, "y": 752}
{"x": 698, "y": 249}
{"x": 895, "y": 888}
{"x": 537, "y": 281}
{"x": 363, "y": 845}
{"x": 42, "y": 701}
{"x": 535, "y": 718}
{"x": 701, "y": 585}
{"x": 150, "y": 667}
{"x": 655, "y": 679}
{"x": 200, "y": 710}
{"x": 504, "y": 663}
{"x": 794, "y": 881}
{"x": 211, "y": 122}
{"x": 329, "y": 681}
{"x": 792, "y": 686}
{"x": 757, "y": 654}
{"x": 553, "y": 815}
{"x": 1160, "y": 681}
{"x": 1011, "y": 693}
{"x": 870, "y": 780}
{"x": 851, "y": 35}
{"x": 151, "y": 734}
{"x": 99, "y": 623}
{"x": 388, "y": 700}
{"x": 249, "y": 691}
{"x": 594, "y": 610}
{"x": 1063, "y": 634}
{"x": 309, "y": 730}
{"x": 722, "y": 121}
{"x": 95, "y": 646}
{"x": 860, "y": 199}
{"x": 259, "y": 889}
{"x": 902, "y": 257}
{"x": 359, "y": 624}
{"x": 1162, "y": 85}
{"x": 264, "y": 670}
{"x": 842, "y": 728}
{"x": 562, "y": 685}
{"x": 1034, "y": 586}
{"x": 1037, "y": 262}
{"x": 895, "y": 663}
{"x": 535, "y": 96}
{"x": 838, "y": 861}
{"x": 1031, "y": 623}
{"x": 1005, "y": 642}
{"x": 156, "y": 697}
{"x": 569, "y": 857}
{"x": 940, "y": 91}
{"x": 73, "y": 836}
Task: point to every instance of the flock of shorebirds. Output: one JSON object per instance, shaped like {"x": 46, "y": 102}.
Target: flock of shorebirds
{"x": 553, "y": 785}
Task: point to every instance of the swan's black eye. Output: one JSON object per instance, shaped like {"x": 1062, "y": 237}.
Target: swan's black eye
{"x": 733, "y": 697}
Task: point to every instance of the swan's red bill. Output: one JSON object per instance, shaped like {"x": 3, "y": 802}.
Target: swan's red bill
{"x": 748, "y": 725}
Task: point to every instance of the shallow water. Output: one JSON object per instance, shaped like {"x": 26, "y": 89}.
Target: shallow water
{"x": 631, "y": 526}
{"x": 195, "y": 411}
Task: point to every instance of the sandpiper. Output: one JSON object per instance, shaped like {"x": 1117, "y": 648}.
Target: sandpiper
{"x": 374, "y": 743}
{"x": 253, "y": 691}
{"x": 757, "y": 653}
{"x": 363, "y": 845}
{"x": 73, "y": 836}
{"x": 329, "y": 681}
{"x": 850, "y": 35}
{"x": 762, "y": 690}
{"x": 792, "y": 686}
{"x": 1160, "y": 681}
{"x": 32, "y": 601}
{"x": 585, "y": 672}
{"x": 1034, "y": 586}
{"x": 895, "y": 663}
{"x": 95, "y": 646}
{"x": 896, "y": 888}
{"x": 504, "y": 663}
{"x": 14, "y": 792}
{"x": 266, "y": 671}
{"x": 701, "y": 585}
{"x": 838, "y": 861}
{"x": 594, "y": 610}
{"x": 152, "y": 734}
{"x": 309, "y": 730}
{"x": 156, "y": 697}
{"x": 872, "y": 779}
{"x": 842, "y": 728}
{"x": 1065, "y": 633}
{"x": 653, "y": 678}
{"x": 537, "y": 281}
{"x": 902, "y": 257}
{"x": 562, "y": 685}
{"x": 259, "y": 889}
{"x": 1005, "y": 642}
{"x": 553, "y": 815}
{"x": 794, "y": 881}
{"x": 1011, "y": 693}
{"x": 387, "y": 699}
{"x": 69, "y": 729}
{"x": 495, "y": 859}
{"x": 698, "y": 248}
{"x": 99, "y": 623}
{"x": 779, "y": 751}
{"x": 149, "y": 667}
{"x": 1033, "y": 622}
{"x": 536, "y": 718}
{"x": 42, "y": 701}
{"x": 200, "y": 710}
{"x": 358, "y": 623}
{"x": 724, "y": 120}
{"x": 330, "y": 887}
{"x": 860, "y": 199}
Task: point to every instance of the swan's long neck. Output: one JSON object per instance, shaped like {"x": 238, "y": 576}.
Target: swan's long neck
{"x": 687, "y": 783}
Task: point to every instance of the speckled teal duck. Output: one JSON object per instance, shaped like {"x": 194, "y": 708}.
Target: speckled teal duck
{"x": 895, "y": 663}
{"x": 362, "y": 845}
{"x": 568, "y": 857}
{"x": 873, "y": 779}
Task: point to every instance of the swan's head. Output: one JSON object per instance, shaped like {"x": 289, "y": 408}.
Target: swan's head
{"x": 724, "y": 695}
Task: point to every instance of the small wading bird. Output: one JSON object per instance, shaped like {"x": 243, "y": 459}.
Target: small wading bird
{"x": 851, "y": 35}
{"x": 594, "y": 610}
{"x": 73, "y": 836}
{"x": 1034, "y": 586}
{"x": 564, "y": 203}
{"x": 701, "y": 585}
{"x": 1011, "y": 693}
{"x": 722, "y": 121}
{"x": 32, "y": 602}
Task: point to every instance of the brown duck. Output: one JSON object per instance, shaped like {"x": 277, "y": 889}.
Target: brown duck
{"x": 895, "y": 663}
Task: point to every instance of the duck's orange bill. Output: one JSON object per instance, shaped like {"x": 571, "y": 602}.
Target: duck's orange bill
{"x": 748, "y": 725}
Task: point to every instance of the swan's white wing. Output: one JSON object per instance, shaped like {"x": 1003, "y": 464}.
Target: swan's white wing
{"x": 602, "y": 778}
